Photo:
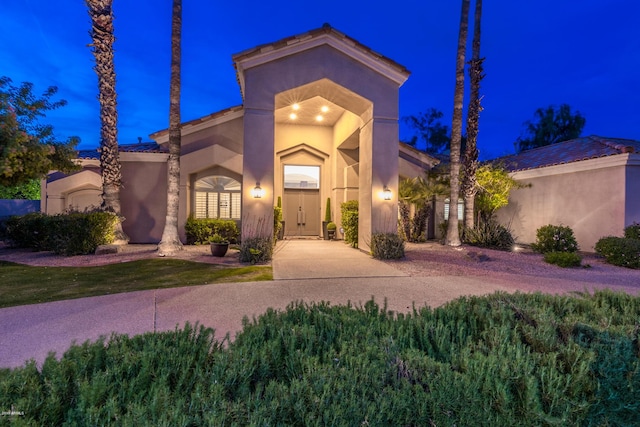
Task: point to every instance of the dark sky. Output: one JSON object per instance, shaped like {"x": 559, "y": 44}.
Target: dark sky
{"x": 585, "y": 53}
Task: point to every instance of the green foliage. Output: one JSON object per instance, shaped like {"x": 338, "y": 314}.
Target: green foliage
{"x": 327, "y": 210}
{"x": 200, "y": 230}
{"x": 387, "y": 246}
{"x": 217, "y": 238}
{"x": 489, "y": 234}
{"x": 550, "y": 126}
{"x": 620, "y": 251}
{"x": 419, "y": 192}
{"x": 256, "y": 249}
{"x": 331, "y": 226}
{"x": 72, "y": 233}
{"x": 277, "y": 221}
{"x": 29, "y": 190}
{"x": 563, "y": 259}
{"x": 279, "y": 203}
{"x": 494, "y": 186}
{"x": 349, "y": 212}
{"x": 500, "y": 360}
{"x": 28, "y": 149}
{"x": 555, "y": 238}
{"x": 632, "y": 231}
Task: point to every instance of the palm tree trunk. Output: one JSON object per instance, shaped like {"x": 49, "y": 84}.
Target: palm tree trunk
{"x": 470, "y": 163}
{"x": 453, "y": 237}
{"x": 170, "y": 242}
{"x": 101, "y": 14}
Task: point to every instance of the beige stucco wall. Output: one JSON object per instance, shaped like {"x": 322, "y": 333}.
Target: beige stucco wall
{"x": 589, "y": 196}
{"x": 143, "y": 197}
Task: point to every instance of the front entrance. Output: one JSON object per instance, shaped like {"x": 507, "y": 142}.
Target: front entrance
{"x": 301, "y": 212}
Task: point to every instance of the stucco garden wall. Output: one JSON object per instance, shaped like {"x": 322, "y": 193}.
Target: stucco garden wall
{"x": 588, "y": 196}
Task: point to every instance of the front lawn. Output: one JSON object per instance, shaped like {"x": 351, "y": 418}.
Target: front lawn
{"x": 22, "y": 284}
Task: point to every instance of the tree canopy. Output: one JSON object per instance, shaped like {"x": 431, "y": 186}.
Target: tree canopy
{"x": 549, "y": 126}
{"x": 429, "y": 130}
{"x": 28, "y": 148}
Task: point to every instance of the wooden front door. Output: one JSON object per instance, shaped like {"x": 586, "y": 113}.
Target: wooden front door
{"x": 301, "y": 212}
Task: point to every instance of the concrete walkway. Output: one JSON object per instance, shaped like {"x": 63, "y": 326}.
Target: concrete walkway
{"x": 304, "y": 270}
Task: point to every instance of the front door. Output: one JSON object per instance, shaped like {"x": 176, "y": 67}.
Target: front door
{"x": 301, "y": 212}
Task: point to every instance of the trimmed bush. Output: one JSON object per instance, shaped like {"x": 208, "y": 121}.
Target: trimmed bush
{"x": 499, "y": 360}
{"x": 555, "y": 238}
{"x": 632, "y": 231}
{"x": 73, "y": 233}
{"x": 349, "y": 223}
{"x": 619, "y": 251}
{"x": 200, "y": 230}
{"x": 387, "y": 246}
{"x": 256, "y": 249}
{"x": 489, "y": 234}
{"x": 563, "y": 259}
{"x": 277, "y": 222}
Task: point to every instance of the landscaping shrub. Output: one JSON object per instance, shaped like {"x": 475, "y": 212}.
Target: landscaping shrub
{"x": 73, "y": 233}
{"x": 256, "y": 249}
{"x": 555, "y": 238}
{"x": 199, "y": 231}
{"x": 277, "y": 222}
{"x": 387, "y": 246}
{"x": 349, "y": 223}
{"x": 489, "y": 234}
{"x": 563, "y": 259}
{"x": 620, "y": 251}
{"x": 499, "y": 360}
{"x": 632, "y": 231}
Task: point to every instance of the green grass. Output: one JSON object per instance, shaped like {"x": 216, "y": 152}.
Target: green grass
{"x": 22, "y": 284}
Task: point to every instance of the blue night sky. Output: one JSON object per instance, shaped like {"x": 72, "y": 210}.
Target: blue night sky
{"x": 585, "y": 53}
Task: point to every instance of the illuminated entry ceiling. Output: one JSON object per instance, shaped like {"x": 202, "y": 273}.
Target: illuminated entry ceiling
{"x": 316, "y": 111}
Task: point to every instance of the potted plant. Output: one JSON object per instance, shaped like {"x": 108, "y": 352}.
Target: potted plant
{"x": 219, "y": 245}
{"x": 327, "y": 219}
{"x": 331, "y": 230}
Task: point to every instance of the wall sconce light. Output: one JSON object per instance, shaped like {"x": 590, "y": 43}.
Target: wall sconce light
{"x": 257, "y": 191}
{"x": 386, "y": 193}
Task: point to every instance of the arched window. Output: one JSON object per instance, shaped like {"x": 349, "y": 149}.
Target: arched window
{"x": 217, "y": 197}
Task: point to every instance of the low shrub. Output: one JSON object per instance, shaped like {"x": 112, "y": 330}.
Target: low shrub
{"x": 256, "y": 249}
{"x": 563, "y": 259}
{"x": 620, "y": 251}
{"x": 387, "y": 246}
{"x": 632, "y": 231}
{"x": 489, "y": 234}
{"x": 349, "y": 223}
{"x": 199, "y": 230}
{"x": 72, "y": 233}
{"x": 498, "y": 360}
{"x": 555, "y": 238}
{"x": 277, "y": 222}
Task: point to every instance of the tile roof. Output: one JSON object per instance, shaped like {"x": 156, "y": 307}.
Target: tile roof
{"x": 325, "y": 29}
{"x": 574, "y": 150}
{"x": 199, "y": 120}
{"x": 141, "y": 147}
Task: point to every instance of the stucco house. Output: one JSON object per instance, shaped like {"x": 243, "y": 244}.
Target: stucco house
{"x": 319, "y": 120}
{"x": 591, "y": 184}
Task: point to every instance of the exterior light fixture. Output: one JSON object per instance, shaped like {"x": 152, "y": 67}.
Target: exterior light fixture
{"x": 319, "y": 118}
{"x": 324, "y": 109}
{"x": 293, "y": 116}
{"x": 296, "y": 106}
{"x": 257, "y": 191}
{"x": 386, "y": 193}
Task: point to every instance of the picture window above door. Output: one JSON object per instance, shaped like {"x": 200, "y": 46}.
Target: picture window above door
{"x": 307, "y": 177}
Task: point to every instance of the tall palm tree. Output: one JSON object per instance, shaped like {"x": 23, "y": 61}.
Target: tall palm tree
{"x": 470, "y": 162}
{"x": 170, "y": 242}
{"x": 101, "y": 14}
{"x": 453, "y": 237}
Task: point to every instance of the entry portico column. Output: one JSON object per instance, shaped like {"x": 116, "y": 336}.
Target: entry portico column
{"x": 258, "y": 159}
{"x": 378, "y": 169}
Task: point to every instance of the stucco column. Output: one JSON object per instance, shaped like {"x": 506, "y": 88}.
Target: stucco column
{"x": 258, "y": 160}
{"x": 378, "y": 168}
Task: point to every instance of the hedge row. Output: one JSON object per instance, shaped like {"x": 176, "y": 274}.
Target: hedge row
{"x": 525, "y": 360}
{"x": 199, "y": 231}
{"x": 74, "y": 233}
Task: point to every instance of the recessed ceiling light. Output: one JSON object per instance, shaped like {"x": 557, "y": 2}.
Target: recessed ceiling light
{"x": 319, "y": 118}
{"x": 296, "y": 106}
{"x": 293, "y": 116}
{"x": 324, "y": 109}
